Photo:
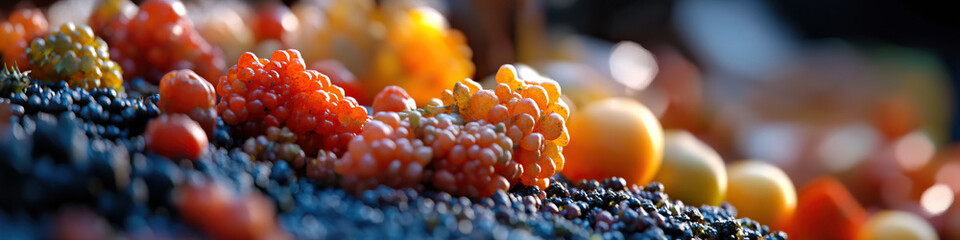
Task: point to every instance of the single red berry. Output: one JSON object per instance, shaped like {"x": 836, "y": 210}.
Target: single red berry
{"x": 393, "y": 99}
{"x": 176, "y": 136}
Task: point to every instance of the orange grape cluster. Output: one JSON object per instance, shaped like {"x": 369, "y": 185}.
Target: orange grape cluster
{"x": 157, "y": 39}
{"x": 531, "y": 110}
{"x": 258, "y": 93}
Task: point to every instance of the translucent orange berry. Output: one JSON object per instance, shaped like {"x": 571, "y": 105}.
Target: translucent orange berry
{"x": 559, "y": 107}
{"x": 552, "y": 88}
{"x": 558, "y": 161}
{"x": 393, "y": 99}
{"x": 531, "y": 170}
{"x": 542, "y": 183}
{"x": 551, "y": 126}
{"x": 537, "y": 93}
{"x": 503, "y": 92}
{"x": 548, "y": 167}
{"x": 447, "y": 96}
{"x": 564, "y": 138}
{"x": 527, "y": 106}
{"x": 473, "y": 86}
{"x": 507, "y": 74}
{"x": 481, "y": 102}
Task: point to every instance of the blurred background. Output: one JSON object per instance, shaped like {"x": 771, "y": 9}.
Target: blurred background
{"x": 863, "y": 92}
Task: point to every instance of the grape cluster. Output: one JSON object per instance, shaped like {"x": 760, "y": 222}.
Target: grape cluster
{"x": 110, "y": 16}
{"x": 49, "y": 163}
{"x": 21, "y": 27}
{"x": 157, "y": 39}
{"x": 533, "y": 114}
{"x": 105, "y": 113}
{"x": 386, "y": 152}
{"x": 75, "y": 55}
{"x": 405, "y": 150}
{"x": 279, "y": 92}
{"x": 473, "y": 160}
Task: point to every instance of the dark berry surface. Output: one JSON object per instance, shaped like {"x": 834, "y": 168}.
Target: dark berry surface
{"x": 75, "y": 161}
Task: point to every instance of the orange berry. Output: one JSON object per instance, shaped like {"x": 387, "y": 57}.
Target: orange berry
{"x": 537, "y": 93}
{"x": 393, "y": 99}
{"x": 182, "y": 91}
{"x": 508, "y": 75}
{"x": 503, "y": 92}
{"x": 498, "y": 113}
{"x": 551, "y": 126}
{"x": 559, "y": 107}
{"x": 525, "y": 122}
{"x": 553, "y": 90}
{"x": 176, "y": 136}
{"x": 473, "y": 86}
{"x": 526, "y": 106}
{"x": 280, "y": 92}
{"x": 480, "y": 104}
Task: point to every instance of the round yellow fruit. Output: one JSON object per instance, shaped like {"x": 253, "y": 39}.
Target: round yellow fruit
{"x": 614, "y": 137}
{"x": 691, "y": 171}
{"x": 891, "y": 224}
{"x": 761, "y": 191}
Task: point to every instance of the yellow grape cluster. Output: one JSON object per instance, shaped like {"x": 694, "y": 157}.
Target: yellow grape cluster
{"x": 75, "y": 55}
{"x": 530, "y": 109}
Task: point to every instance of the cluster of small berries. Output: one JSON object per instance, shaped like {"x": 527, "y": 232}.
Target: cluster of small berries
{"x": 105, "y": 113}
{"x": 75, "y": 55}
{"x": 530, "y": 109}
{"x": 279, "y": 92}
{"x": 155, "y": 39}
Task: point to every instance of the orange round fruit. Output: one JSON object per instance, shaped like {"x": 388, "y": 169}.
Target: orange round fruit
{"x": 176, "y": 136}
{"x": 614, "y": 138}
{"x": 761, "y": 191}
{"x": 393, "y": 99}
{"x": 275, "y": 21}
{"x": 181, "y": 91}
